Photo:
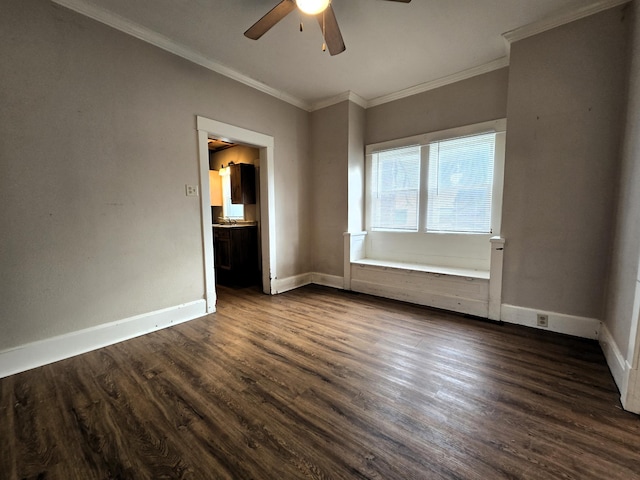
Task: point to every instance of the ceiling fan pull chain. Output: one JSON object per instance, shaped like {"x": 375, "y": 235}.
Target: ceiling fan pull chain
{"x": 324, "y": 42}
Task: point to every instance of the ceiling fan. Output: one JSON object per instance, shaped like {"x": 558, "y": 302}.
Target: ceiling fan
{"x": 321, "y": 9}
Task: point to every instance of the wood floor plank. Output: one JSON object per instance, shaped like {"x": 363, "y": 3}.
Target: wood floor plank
{"x": 319, "y": 384}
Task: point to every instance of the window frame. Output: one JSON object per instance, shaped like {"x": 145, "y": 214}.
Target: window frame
{"x": 420, "y": 187}
{"x": 494, "y": 126}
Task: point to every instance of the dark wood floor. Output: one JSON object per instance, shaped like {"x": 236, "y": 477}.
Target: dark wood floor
{"x": 318, "y": 383}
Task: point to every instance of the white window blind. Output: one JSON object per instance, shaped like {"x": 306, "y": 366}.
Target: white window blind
{"x": 460, "y": 184}
{"x": 395, "y": 189}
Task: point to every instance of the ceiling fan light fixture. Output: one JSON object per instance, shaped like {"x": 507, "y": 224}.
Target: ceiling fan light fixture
{"x": 312, "y": 7}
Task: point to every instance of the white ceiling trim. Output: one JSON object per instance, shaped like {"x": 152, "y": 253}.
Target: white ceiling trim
{"x": 354, "y": 97}
{"x": 142, "y": 33}
{"x": 423, "y": 87}
{"x": 441, "y": 82}
{"x": 165, "y": 43}
{"x": 560, "y": 19}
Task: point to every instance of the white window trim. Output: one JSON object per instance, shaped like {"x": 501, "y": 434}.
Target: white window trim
{"x": 498, "y": 126}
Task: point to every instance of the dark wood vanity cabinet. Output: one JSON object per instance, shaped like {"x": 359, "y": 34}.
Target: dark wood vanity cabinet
{"x": 236, "y": 255}
{"x": 243, "y": 183}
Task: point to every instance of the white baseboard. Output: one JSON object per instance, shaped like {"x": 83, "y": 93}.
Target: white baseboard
{"x": 558, "y": 322}
{"x": 53, "y": 349}
{"x": 615, "y": 360}
{"x": 631, "y": 397}
{"x": 626, "y": 377}
{"x": 326, "y": 280}
{"x": 281, "y": 285}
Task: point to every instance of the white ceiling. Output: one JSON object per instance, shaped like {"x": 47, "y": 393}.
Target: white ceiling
{"x": 390, "y": 46}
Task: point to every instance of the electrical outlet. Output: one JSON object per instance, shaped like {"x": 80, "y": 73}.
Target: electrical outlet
{"x": 543, "y": 320}
{"x": 191, "y": 190}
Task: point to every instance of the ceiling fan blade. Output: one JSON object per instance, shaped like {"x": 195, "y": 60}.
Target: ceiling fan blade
{"x": 277, "y": 13}
{"x": 331, "y": 31}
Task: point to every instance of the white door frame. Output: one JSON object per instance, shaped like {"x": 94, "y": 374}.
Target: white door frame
{"x": 265, "y": 143}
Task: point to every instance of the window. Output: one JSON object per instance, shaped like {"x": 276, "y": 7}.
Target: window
{"x": 460, "y": 184}
{"x": 437, "y": 183}
{"x": 396, "y": 189}
{"x": 229, "y": 210}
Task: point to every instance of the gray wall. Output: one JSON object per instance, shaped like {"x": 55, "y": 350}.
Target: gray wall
{"x": 566, "y": 92}
{"x": 329, "y": 147}
{"x": 337, "y": 150}
{"x": 470, "y": 101}
{"x": 355, "y": 168}
{"x": 626, "y": 251}
{"x": 97, "y": 141}
{"x": 338, "y": 136}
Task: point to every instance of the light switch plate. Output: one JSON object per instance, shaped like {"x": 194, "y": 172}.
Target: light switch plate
{"x": 191, "y": 190}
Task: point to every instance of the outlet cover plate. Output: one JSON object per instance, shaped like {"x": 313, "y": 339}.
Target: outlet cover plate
{"x": 543, "y": 320}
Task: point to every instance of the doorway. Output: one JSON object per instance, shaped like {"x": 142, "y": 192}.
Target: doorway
{"x": 264, "y": 143}
{"x": 234, "y": 179}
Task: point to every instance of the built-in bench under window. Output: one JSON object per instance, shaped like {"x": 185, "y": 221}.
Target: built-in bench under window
{"x": 465, "y": 290}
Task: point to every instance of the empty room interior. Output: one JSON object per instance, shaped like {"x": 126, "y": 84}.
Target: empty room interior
{"x": 382, "y": 239}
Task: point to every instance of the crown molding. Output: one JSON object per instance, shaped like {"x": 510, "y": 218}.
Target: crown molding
{"x": 142, "y": 33}
{"x": 441, "y": 82}
{"x": 349, "y": 95}
{"x": 146, "y": 35}
{"x": 560, "y": 19}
